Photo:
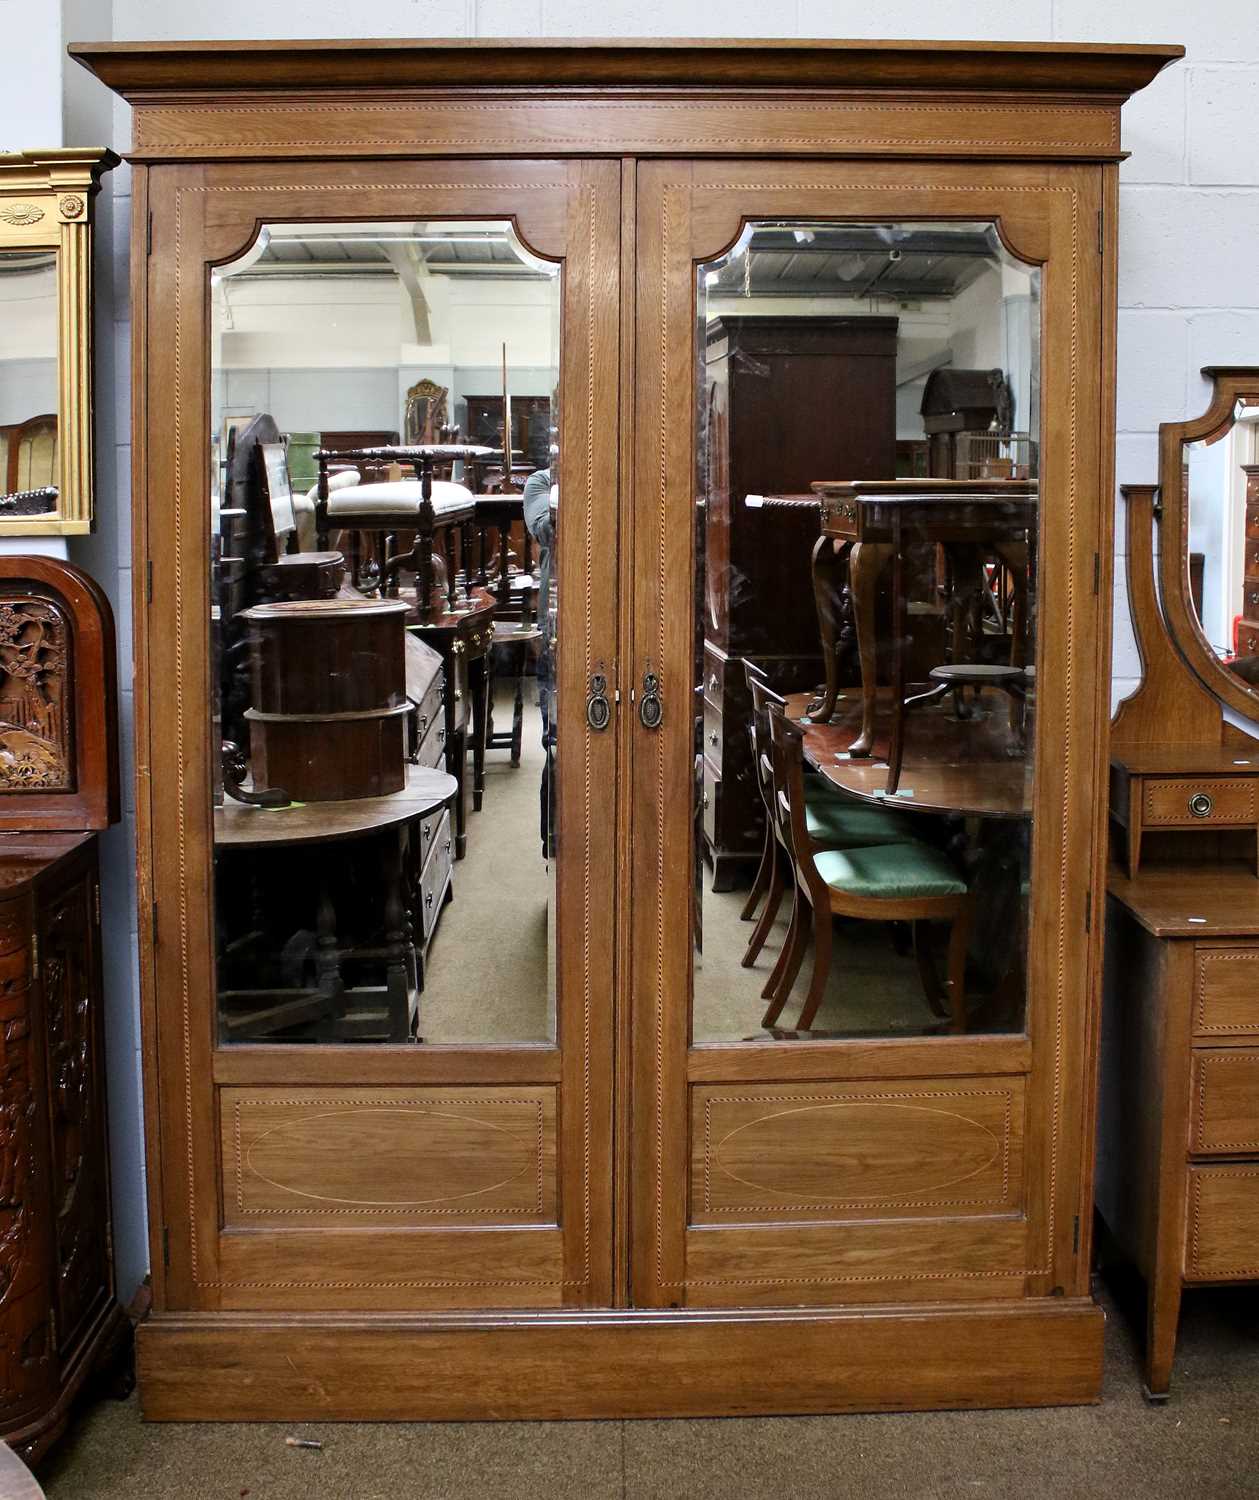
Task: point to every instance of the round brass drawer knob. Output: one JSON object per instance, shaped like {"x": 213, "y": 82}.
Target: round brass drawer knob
{"x": 1200, "y": 805}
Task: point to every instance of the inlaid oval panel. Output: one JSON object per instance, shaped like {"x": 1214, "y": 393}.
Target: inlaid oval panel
{"x": 390, "y": 1153}
{"x": 845, "y": 1149}
{"x": 432, "y": 1157}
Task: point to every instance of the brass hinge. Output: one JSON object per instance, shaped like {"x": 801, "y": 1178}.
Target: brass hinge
{"x": 96, "y": 901}
{"x": 1088, "y": 915}
{"x": 1097, "y": 572}
{"x": 34, "y": 955}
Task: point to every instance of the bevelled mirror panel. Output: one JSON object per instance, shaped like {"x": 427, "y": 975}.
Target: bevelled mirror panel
{"x": 866, "y": 524}
{"x": 384, "y": 529}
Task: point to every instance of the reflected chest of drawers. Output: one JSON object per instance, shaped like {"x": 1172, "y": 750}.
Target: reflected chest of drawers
{"x": 1178, "y": 1160}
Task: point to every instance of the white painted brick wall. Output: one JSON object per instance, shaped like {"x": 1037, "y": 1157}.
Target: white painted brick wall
{"x": 1189, "y": 246}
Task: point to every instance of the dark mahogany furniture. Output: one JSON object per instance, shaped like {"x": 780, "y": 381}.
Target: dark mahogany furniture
{"x": 624, "y": 1220}
{"x": 59, "y": 1320}
{"x": 826, "y": 388}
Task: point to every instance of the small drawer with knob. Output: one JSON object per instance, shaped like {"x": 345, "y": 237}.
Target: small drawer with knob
{"x": 1219, "y": 802}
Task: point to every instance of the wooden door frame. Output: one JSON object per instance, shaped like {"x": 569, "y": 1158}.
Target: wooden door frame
{"x": 1048, "y": 214}
{"x": 193, "y": 217}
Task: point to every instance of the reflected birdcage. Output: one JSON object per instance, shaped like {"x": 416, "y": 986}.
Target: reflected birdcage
{"x": 996, "y": 455}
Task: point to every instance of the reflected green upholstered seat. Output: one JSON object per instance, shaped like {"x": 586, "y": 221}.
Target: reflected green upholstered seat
{"x": 904, "y": 872}
{"x": 832, "y": 818}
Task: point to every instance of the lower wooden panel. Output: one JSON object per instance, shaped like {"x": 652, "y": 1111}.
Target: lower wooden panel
{"x": 800, "y": 1153}
{"x": 397, "y": 1270}
{"x": 220, "y": 1368}
{"x": 401, "y": 1156}
{"x": 921, "y": 1260}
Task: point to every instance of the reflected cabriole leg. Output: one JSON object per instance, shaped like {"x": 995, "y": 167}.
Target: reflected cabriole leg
{"x": 866, "y": 560}
{"x": 825, "y": 567}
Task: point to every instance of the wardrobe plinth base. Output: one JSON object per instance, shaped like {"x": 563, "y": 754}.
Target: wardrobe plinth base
{"x": 236, "y": 1367}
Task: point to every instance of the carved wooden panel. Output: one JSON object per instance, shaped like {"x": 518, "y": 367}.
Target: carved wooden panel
{"x": 36, "y": 710}
{"x": 75, "y": 1108}
{"x": 457, "y": 1157}
{"x": 25, "y": 1343}
{"x": 809, "y": 1152}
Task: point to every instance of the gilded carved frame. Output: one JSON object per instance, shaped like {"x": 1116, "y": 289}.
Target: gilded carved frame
{"x": 46, "y": 200}
{"x": 1230, "y": 384}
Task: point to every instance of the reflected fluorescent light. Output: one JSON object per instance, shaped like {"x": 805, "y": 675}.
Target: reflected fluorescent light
{"x": 711, "y": 278}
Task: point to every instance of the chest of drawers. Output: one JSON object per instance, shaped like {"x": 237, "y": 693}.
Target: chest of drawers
{"x": 1178, "y": 1161}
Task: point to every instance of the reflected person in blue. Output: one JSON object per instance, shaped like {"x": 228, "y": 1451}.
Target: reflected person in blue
{"x": 537, "y": 504}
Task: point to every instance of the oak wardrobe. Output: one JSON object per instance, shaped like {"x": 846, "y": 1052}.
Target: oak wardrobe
{"x": 595, "y": 1176}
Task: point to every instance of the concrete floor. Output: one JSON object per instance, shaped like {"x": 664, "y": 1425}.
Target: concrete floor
{"x": 1204, "y": 1442}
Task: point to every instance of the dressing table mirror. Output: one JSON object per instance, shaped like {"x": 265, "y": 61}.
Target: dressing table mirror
{"x": 46, "y": 339}
{"x": 1209, "y": 483}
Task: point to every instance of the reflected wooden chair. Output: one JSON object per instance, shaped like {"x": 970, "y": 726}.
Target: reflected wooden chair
{"x": 905, "y": 881}
{"x": 832, "y": 819}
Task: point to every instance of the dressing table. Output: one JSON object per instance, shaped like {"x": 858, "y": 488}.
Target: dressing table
{"x": 1178, "y": 1159}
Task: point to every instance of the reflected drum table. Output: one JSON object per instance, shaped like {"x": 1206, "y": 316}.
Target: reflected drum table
{"x": 337, "y": 904}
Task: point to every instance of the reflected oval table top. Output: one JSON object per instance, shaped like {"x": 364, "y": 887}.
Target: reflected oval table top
{"x": 237, "y": 825}
{"x": 949, "y": 766}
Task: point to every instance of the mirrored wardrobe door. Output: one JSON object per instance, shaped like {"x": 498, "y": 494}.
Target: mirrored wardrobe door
{"x": 861, "y": 571}
{"x": 385, "y": 443}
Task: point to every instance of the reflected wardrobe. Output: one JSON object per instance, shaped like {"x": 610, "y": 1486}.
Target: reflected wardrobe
{"x": 621, "y": 721}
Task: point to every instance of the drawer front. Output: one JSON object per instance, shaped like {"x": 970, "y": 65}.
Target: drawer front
{"x": 432, "y": 752}
{"x": 1213, "y": 802}
{"x": 1252, "y": 560}
{"x": 430, "y": 707}
{"x": 714, "y": 737}
{"x": 436, "y": 874}
{"x": 1247, "y": 639}
{"x": 712, "y": 793}
{"x": 1225, "y": 1099}
{"x": 1226, "y": 990}
{"x": 1222, "y": 1236}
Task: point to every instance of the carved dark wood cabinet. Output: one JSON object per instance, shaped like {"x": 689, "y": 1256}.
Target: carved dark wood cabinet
{"x": 825, "y": 387}
{"x": 59, "y": 1320}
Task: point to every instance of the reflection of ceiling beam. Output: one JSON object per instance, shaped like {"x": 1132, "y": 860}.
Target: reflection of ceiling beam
{"x": 412, "y": 272}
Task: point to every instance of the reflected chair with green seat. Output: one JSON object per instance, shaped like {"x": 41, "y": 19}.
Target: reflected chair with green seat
{"x": 902, "y": 881}
{"x": 832, "y": 820}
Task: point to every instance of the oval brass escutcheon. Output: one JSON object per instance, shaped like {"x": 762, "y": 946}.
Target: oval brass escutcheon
{"x": 598, "y": 710}
{"x": 650, "y": 709}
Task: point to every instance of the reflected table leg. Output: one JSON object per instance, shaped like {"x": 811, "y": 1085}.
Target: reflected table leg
{"x": 866, "y": 561}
